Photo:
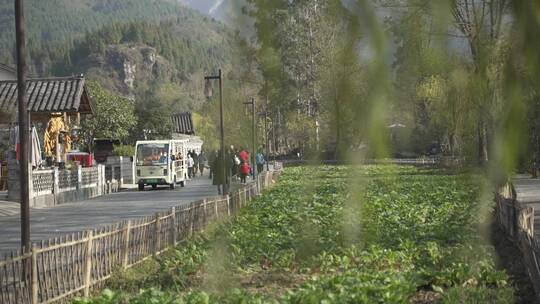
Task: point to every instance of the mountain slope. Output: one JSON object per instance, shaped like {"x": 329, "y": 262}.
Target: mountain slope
{"x": 62, "y": 20}
{"x": 144, "y": 49}
{"x": 131, "y": 55}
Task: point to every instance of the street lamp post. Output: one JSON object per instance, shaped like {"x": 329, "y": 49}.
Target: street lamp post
{"x": 264, "y": 115}
{"x": 266, "y": 133}
{"x": 208, "y": 93}
{"x": 253, "y": 136}
{"x": 24, "y": 125}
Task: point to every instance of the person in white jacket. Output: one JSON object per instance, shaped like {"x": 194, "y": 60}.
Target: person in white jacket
{"x": 190, "y": 164}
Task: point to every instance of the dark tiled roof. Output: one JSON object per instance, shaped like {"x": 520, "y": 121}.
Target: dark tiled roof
{"x": 48, "y": 95}
{"x": 183, "y": 123}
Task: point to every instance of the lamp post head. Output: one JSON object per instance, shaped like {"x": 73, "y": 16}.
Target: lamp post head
{"x": 75, "y": 130}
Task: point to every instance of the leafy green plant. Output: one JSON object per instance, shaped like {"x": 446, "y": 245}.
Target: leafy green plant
{"x": 416, "y": 233}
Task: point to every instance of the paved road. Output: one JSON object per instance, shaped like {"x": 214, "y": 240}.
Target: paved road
{"x": 9, "y": 208}
{"x": 101, "y": 211}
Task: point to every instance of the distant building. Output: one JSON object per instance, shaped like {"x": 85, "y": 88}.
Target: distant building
{"x": 7, "y": 73}
{"x": 55, "y": 106}
{"x": 183, "y": 123}
{"x": 183, "y": 128}
{"x": 67, "y": 96}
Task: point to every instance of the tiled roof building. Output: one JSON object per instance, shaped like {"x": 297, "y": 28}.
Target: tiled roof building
{"x": 48, "y": 95}
{"x": 183, "y": 123}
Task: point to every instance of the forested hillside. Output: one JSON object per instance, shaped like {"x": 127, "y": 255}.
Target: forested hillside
{"x": 161, "y": 67}
{"x": 155, "y": 52}
{"x": 62, "y": 20}
{"x": 184, "y": 45}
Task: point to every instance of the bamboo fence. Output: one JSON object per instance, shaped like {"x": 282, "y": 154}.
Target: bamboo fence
{"x": 78, "y": 264}
{"x": 517, "y": 221}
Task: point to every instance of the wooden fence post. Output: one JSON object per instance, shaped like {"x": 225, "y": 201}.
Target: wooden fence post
{"x": 191, "y": 218}
{"x": 258, "y": 185}
{"x": 216, "y": 207}
{"x": 239, "y": 203}
{"x": 127, "y": 234}
{"x": 228, "y": 197}
{"x": 205, "y": 221}
{"x": 34, "y": 283}
{"x": 157, "y": 237}
{"x": 88, "y": 269}
{"x": 174, "y": 230}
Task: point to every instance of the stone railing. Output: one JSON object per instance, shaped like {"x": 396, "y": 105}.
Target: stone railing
{"x": 90, "y": 177}
{"x": 53, "y": 187}
{"x": 43, "y": 182}
{"x": 68, "y": 180}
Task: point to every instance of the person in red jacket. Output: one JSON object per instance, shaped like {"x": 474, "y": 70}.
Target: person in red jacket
{"x": 244, "y": 155}
{"x": 244, "y": 171}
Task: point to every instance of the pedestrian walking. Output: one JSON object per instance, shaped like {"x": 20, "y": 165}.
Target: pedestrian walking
{"x": 190, "y": 164}
{"x": 244, "y": 155}
{"x": 235, "y": 165}
{"x": 259, "y": 158}
{"x": 217, "y": 173}
{"x": 203, "y": 162}
{"x": 244, "y": 171}
{"x": 195, "y": 157}
{"x": 212, "y": 157}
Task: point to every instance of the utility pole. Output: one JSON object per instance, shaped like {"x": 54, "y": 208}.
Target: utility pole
{"x": 24, "y": 124}
{"x": 253, "y": 134}
{"x": 208, "y": 92}
{"x": 277, "y": 129}
{"x": 275, "y": 145}
{"x": 266, "y": 134}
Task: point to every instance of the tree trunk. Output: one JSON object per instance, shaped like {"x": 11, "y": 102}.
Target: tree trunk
{"x": 337, "y": 151}
{"x": 483, "y": 154}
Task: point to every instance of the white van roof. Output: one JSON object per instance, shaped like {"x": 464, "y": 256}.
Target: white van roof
{"x": 139, "y": 142}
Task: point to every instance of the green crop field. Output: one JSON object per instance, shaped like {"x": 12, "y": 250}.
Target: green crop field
{"x": 330, "y": 234}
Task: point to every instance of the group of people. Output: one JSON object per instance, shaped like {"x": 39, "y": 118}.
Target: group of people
{"x": 237, "y": 166}
{"x": 196, "y": 162}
